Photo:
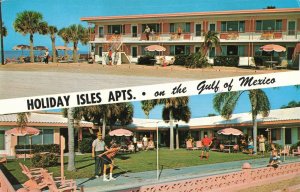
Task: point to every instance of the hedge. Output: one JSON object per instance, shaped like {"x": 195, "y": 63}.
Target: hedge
{"x": 85, "y": 146}
{"x": 146, "y": 60}
{"x": 51, "y": 148}
{"x": 44, "y": 160}
{"x": 228, "y": 61}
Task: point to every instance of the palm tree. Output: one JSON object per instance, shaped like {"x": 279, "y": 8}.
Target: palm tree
{"x": 225, "y": 103}
{"x": 174, "y": 109}
{"x": 211, "y": 39}
{"x": 64, "y": 35}
{"x": 52, "y": 30}
{"x": 76, "y": 34}
{"x": 147, "y": 106}
{"x": 29, "y": 22}
{"x": 22, "y": 119}
{"x": 4, "y": 30}
{"x": 71, "y": 161}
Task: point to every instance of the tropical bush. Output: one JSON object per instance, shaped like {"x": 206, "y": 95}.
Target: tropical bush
{"x": 180, "y": 59}
{"x": 85, "y": 146}
{"x": 295, "y": 146}
{"x": 228, "y": 61}
{"x": 44, "y": 160}
{"x": 146, "y": 60}
{"x": 51, "y": 148}
{"x": 193, "y": 60}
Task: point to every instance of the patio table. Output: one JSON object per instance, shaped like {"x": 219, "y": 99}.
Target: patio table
{"x": 24, "y": 150}
{"x": 271, "y": 63}
{"x": 228, "y": 147}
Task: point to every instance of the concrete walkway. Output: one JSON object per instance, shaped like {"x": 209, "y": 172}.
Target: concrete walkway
{"x": 131, "y": 180}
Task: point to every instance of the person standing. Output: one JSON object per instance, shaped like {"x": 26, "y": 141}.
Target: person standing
{"x": 262, "y": 147}
{"x": 110, "y": 57}
{"x": 98, "y": 147}
{"x": 179, "y": 31}
{"x": 145, "y": 142}
{"x": 206, "y": 144}
{"x": 135, "y": 143}
{"x": 47, "y": 56}
{"x": 147, "y": 31}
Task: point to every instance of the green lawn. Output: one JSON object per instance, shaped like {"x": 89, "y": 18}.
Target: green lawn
{"x": 138, "y": 162}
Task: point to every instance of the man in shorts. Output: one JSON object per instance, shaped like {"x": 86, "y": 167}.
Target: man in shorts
{"x": 206, "y": 144}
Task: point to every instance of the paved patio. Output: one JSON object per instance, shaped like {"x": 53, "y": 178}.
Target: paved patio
{"x": 131, "y": 180}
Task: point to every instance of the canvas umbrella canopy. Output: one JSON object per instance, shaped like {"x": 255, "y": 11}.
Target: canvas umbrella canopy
{"x": 23, "y": 131}
{"x": 21, "y": 47}
{"x": 61, "y": 47}
{"x": 230, "y": 131}
{"x": 120, "y": 132}
{"x": 40, "y": 48}
{"x": 272, "y": 48}
{"x": 155, "y": 48}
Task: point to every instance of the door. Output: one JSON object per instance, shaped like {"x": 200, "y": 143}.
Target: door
{"x": 101, "y": 31}
{"x": 134, "y": 52}
{"x": 198, "y": 29}
{"x": 291, "y": 27}
{"x": 64, "y": 132}
{"x": 290, "y": 52}
{"x": 288, "y": 136}
{"x": 134, "y": 31}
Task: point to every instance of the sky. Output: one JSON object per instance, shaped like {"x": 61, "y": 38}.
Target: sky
{"x": 62, "y": 13}
{"x": 201, "y": 105}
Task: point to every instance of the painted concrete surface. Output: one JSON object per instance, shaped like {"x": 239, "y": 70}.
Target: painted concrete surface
{"x": 131, "y": 180}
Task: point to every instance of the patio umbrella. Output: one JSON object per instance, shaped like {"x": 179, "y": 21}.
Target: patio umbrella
{"x": 272, "y": 48}
{"x": 40, "y": 48}
{"x": 120, "y": 132}
{"x": 155, "y": 48}
{"x": 230, "y": 131}
{"x": 23, "y": 131}
{"x": 61, "y": 47}
{"x": 21, "y": 47}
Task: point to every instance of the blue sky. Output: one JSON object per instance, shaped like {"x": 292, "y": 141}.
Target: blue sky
{"x": 63, "y": 13}
{"x": 201, "y": 105}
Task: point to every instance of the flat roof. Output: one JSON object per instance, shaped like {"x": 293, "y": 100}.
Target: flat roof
{"x": 157, "y": 7}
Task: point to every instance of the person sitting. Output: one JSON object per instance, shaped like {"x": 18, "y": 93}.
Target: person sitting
{"x": 250, "y": 146}
{"x": 274, "y": 158}
{"x": 139, "y": 145}
{"x": 107, "y": 158}
{"x": 150, "y": 145}
{"x": 131, "y": 147}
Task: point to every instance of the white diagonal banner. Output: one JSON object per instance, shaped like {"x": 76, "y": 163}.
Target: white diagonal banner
{"x": 167, "y": 90}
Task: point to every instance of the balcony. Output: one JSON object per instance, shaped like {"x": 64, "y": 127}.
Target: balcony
{"x": 259, "y": 36}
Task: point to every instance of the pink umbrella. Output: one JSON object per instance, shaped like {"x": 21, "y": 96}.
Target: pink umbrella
{"x": 121, "y": 132}
{"x": 230, "y": 131}
{"x": 22, "y": 131}
{"x": 273, "y": 47}
{"x": 155, "y": 48}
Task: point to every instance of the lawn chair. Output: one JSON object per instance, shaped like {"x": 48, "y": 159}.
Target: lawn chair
{"x": 296, "y": 151}
{"x": 199, "y": 145}
{"x": 285, "y": 150}
{"x": 283, "y": 65}
{"x": 35, "y": 178}
{"x": 3, "y": 160}
{"x": 189, "y": 145}
{"x": 57, "y": 184}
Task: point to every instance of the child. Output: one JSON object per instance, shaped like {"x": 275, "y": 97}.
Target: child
{"x": 275, "y": 158}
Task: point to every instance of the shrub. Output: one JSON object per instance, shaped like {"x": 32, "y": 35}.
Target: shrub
{"x": 229, "y": 61}
{"x": 180, "y": 60}
{"x": 44, "y": 160}
{"x": 295, "y": 146}
{"x": 146, "y": 60}
{"x": 85, "y": 146}
{"x": 51, "y": 148}
{"x": 196, "y": 60}
{"x": 268, "y": 146}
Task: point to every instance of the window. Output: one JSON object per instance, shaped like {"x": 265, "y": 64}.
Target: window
{"x": 198, "y": 29}
{"x": 154, "y": 26}
{"x": 232, "y": 50}
{"x": 2, "y": 140}
{"x": 268, "y": 25}
{"x": 233, "y": 26}
{"x": 101, "y": 32}
{"x": 116, "y": 29}
{"x": 186, "y": 27}
{"x": 241, "y": 50}
{"x": 134, "y": 31}
{"x": 291, "y": 27}
{"x": 197, "y": 49}
{"x": 45, "y": 137}
{"x": 212, "y": 27}
{"x": 134, "y": 52}
{"x": 143, "y": 50}
{"x": 180, "y": 49}
{"x": 275, "y": 134}
{"x": 212, "y": 52}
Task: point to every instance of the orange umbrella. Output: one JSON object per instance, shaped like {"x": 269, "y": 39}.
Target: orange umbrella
{"x": 155, "y": 48}
{"x": 22, "y": 131}
{"x": 230, "y": 131}
{"x": 273, "y": 47}
{"x": 21, "y": 47}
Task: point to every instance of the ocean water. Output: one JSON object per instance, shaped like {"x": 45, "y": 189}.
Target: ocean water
{"x": 25, "y": 53}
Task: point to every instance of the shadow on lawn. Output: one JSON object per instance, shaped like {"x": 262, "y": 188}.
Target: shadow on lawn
{"x": 10, "y": 177}
{"x": 78, "y": 168}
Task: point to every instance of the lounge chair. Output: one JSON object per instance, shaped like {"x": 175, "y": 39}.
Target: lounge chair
{"x": 296, "y": 151}
{"x": 283, "y": 65}
{"x": 3, "y": 160}
{"x": 150, "y": 146}
{"x": 199, "y": 145}
{"x": 285, "y": 150}
{"x": 189, "y": 145}
{"x": 98, "y": 59}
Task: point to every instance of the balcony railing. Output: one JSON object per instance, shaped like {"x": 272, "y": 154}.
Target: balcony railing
{"x": 199, "y": 36}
